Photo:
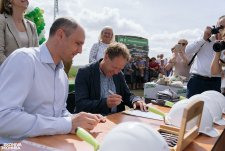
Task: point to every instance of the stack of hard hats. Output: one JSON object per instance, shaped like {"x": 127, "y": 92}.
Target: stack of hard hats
{"x": 133, "y": 136}
{"x": 213, "y": 107}
{"x": 174, "y": 117}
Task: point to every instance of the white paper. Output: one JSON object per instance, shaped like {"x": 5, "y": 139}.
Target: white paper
{"x": 144, "y": 114}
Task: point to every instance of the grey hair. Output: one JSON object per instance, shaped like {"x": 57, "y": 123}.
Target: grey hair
{"x": 66, "y": 24}
{"x": 105, "y": 28}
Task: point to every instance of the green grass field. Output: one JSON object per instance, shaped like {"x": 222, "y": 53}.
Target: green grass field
{"x": 73, "y": 72}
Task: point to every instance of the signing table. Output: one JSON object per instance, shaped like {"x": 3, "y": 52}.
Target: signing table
{"x": 71, "y": 142}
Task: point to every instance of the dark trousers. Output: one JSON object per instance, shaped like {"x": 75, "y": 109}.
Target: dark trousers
{"x": 198, "y": 84}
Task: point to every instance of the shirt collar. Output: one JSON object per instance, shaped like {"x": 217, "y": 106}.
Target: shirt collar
{"x": 46, "y": 57}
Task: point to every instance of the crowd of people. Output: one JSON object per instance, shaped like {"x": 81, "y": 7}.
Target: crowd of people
{"x": 144, "y": 69}
{"x": 38, "y": 97}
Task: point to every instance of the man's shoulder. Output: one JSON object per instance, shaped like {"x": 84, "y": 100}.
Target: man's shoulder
{"x": 27, "y": 52}
{"x": 89, "y": 69}
{"x": 89, "y": 66}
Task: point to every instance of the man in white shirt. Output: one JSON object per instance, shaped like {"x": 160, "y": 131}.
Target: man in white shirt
{"x": 201, "y": 78}
{"x": 34, "y": 87}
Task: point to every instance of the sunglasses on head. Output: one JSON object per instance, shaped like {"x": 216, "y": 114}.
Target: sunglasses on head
{"x": 183, "y": 44}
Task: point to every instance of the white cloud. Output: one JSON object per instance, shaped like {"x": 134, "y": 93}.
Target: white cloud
{"x": 109, "y": 16}
{"x": 162, "y": 43}
{"x": 162, "y": 22}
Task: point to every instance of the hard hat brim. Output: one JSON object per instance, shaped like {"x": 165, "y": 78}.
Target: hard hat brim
{"x": 213, "y": 132}
{"x": 220, "y": 121}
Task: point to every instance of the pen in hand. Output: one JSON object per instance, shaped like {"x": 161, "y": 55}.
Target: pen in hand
{"x": 111, "y": 92}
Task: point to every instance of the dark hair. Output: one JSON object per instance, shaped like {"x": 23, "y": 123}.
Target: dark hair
{"x": 67, "y": 24}
{"x": 6, "y": 7}
{"x": 117, "y": 49}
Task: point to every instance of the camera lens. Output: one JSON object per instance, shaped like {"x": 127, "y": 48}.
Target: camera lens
{"x": 219, "y": 46}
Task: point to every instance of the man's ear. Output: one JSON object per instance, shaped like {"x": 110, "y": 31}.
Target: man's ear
{"x": 60, "y": 33}
{"x": 106, "y": 56}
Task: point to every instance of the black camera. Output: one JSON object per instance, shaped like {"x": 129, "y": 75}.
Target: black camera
{"x": 219, "y": 46}
{"x": 215, "y": 30}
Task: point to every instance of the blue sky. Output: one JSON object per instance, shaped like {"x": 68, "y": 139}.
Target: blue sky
{"x": 163, "y": 22}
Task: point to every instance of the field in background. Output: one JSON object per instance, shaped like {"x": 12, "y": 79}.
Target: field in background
{"x": 73, "y": 72}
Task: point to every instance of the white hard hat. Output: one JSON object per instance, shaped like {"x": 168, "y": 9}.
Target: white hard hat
{"x": 177, "y": 109}
{"x": 133, "y": 136}
{"x": 175, "y": 115}
{"x": 213, "y": 106}
{"x": 206, "y": 125}
{"x": 217, "y": 97}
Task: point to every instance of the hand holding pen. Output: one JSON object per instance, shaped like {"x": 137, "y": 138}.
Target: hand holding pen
{"x": 113, "y": 99}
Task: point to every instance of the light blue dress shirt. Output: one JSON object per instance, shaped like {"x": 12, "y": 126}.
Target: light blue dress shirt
{"x": 107, "y": 84}
{"x": 33, "y": 93}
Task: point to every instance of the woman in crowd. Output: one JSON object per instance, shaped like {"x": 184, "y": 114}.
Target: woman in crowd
{"x": 153, "y": 69}
{"x": 98, "y": 49}
{"x": 128, "y": 71}
{"x": 15, "y": 30}
{"x": 179, "y": 59}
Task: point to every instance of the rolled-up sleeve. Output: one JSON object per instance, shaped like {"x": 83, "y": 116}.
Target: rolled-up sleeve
{"x": 194, "y": 47}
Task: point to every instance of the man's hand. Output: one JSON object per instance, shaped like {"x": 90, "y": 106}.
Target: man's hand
{"x": 113, "y": 100}
{"x": 86, "y": 120}
{"x": 207, "y": 33}
{"x": 141, "y": 104}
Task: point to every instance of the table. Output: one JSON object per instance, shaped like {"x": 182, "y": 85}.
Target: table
{"x": 71, "y": 142}
{"x": 151, "y": 89}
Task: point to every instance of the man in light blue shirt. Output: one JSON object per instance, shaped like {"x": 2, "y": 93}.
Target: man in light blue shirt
{"x": 34, "y": 87}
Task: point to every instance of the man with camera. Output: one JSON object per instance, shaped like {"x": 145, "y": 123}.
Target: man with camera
{"x": 201, "y": 78}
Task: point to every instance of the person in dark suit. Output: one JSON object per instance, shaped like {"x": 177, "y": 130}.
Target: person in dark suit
{"x": 15, "y": 31}
{"x": 100, "y": 87}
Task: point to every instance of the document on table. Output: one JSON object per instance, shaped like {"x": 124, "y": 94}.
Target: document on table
{"x": 143, "y": 114}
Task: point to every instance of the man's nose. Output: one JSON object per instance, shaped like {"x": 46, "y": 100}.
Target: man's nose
{"x": 79, "y": 49}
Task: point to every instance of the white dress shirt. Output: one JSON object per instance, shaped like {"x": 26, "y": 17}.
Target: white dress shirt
{"x": 202, "y": 62}
{"x": 33, "y": 93}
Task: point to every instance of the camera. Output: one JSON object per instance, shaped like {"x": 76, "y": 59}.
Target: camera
{"x": 215, "y": 30}
{"x": 219, "y": 46}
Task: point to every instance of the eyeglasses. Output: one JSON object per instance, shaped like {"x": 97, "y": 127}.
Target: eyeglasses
{"x": 183, "y": 44}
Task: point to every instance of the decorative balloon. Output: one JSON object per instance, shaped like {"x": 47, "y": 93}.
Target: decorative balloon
{"x": 36, "y": 15}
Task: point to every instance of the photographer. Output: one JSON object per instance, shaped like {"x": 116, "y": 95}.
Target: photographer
{"x": 179, "y": 59}
{"x": 219, "y": 61}
{"x": 219, "y": 57}
{"x": 201, "y": 78}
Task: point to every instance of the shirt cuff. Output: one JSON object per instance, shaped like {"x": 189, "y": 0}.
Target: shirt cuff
{"x": 135, "y": 99}
{"x": 66, "y": 128}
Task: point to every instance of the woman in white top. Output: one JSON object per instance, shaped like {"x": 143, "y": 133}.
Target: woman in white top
{"x": 98, "y": 49}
